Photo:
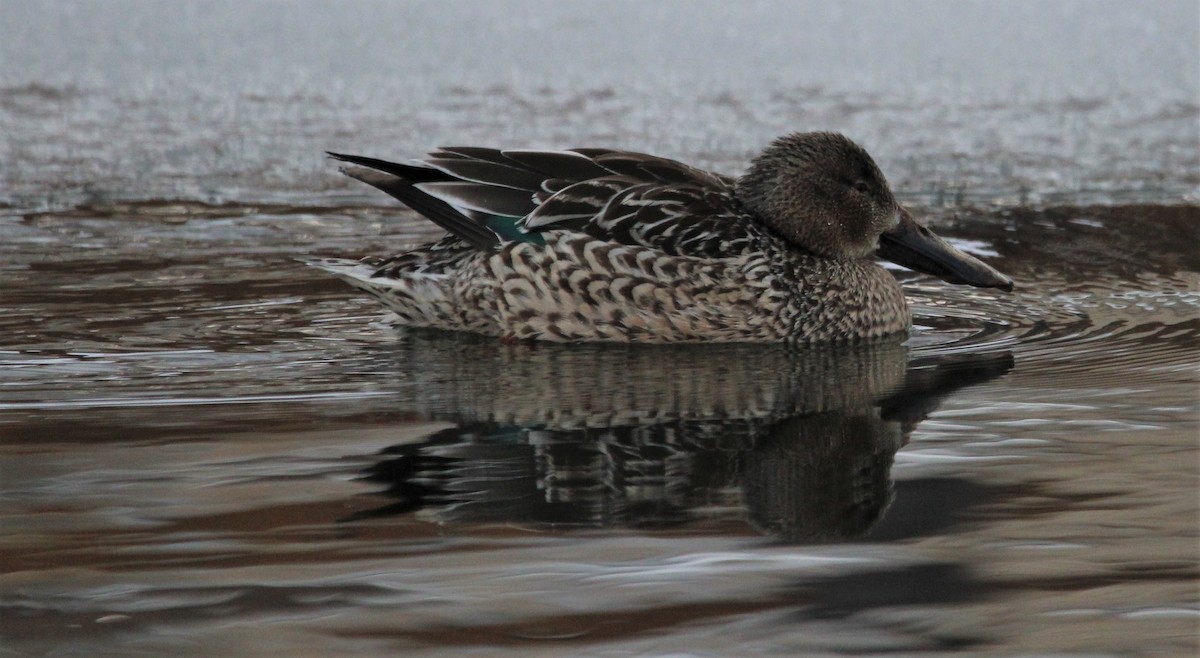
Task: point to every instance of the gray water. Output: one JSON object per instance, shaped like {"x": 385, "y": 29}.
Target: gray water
{"x": 207, "y": 448}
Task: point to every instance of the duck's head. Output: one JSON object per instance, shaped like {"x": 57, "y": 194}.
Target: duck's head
{"x": 824, "y": 194}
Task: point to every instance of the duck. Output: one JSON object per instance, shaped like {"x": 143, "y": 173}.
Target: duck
{"x": 608, "y": 245}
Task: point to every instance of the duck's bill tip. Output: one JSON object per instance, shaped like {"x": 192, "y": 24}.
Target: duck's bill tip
{"x": 913, "y": 246}
{"x": 1006, "y": 285}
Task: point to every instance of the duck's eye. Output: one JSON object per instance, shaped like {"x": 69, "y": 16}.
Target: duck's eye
{"x": 861, "y": 186}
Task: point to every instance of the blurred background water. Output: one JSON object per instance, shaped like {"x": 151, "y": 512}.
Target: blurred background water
{"x": 219, "y": 100}
{"x": 206, "y": 447}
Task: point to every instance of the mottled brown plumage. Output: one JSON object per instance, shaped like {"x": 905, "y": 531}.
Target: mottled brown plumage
{"x": 603, "y": 245}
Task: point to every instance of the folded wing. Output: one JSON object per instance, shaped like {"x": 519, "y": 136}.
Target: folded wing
{"x": 486, "y": 197}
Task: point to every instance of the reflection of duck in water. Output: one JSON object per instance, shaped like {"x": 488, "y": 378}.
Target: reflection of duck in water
{"x": 603, "y": 245}
{"x": 800, "y": 442}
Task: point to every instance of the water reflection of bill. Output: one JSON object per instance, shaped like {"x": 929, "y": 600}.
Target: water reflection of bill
{"x": 799, "y": 442}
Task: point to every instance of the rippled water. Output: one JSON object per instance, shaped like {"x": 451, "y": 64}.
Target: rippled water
{"x": 205, "y": 436}
{"x": 208, "y": 448}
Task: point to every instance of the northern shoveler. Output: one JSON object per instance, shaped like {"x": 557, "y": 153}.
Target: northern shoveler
{"x": 597, "y": 244}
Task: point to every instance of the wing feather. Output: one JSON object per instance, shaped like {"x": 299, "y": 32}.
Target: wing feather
{"x": 488, "y": 199}
{"x": 566, "y": 165}
{"x": 434, "y": 209}
{"x": 489, "y": 173}
{"x": 485, "y": 196}
{"x": 584, "y": 200}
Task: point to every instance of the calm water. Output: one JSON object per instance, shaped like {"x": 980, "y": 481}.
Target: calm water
{"x": 207, "y": 448}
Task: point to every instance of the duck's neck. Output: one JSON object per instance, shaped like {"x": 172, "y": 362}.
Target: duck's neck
{"x": 842, "y": 299}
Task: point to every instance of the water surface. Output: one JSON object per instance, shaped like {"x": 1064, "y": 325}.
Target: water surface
{"x": 211, "y": 437}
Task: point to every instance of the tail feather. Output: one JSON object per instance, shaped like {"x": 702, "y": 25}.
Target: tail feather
{"x": 413, "y": 173}
{"x": 393, "y": 178}
{"x": 420, "y": 299}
